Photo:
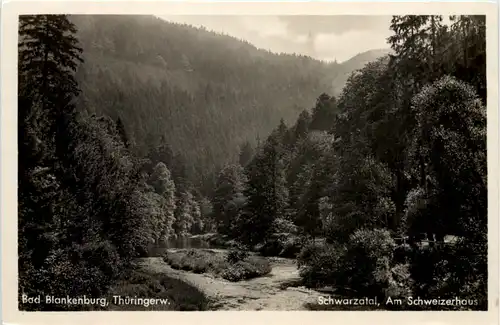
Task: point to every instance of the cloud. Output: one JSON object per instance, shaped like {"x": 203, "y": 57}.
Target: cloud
{"x": 344, "y": 46}
{"x": 335, "y": 24}
{"x": 265, "y": 26}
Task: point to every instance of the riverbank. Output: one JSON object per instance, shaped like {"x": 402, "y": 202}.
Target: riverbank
{"x": 171, "y": 293}
{"x": 275, "y": 291}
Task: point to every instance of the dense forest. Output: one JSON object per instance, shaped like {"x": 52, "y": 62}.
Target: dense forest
{"x": 115, "y": 154}
{"x": 194, "y": 90}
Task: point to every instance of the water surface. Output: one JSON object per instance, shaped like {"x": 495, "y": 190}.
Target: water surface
{"x": 183, "y": 242}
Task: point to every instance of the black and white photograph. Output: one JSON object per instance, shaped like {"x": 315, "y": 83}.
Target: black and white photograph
{"x": 252, "y": 162}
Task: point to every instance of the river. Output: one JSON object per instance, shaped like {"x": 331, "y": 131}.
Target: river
{"x": 159, "y": 250}
{"x": 276, "y": 291}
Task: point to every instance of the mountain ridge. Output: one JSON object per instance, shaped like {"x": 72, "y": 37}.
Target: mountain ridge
{"x": 204, "y": 93}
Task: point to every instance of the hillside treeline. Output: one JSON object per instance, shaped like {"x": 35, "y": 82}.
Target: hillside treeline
{"x": 200, "y": 92}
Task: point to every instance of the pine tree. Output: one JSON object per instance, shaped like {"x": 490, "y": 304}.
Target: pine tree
{"x": 468, "y": 51}
{"x": 48, "y": 56}
{"x": 409, "y": 42}
{"x": 246, "y": 153}
{"x": 266, "y": 193}
{"x": 302, "y": 125}
{"x": 123, "y": 133}
{"x": 323, "y": 115}
{"x": 308, "y": 210}
{"x": 162, "y": 153}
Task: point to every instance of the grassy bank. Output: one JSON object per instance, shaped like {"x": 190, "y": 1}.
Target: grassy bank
{"x": 229, "y": 266}
{"x": 180, "y": 295}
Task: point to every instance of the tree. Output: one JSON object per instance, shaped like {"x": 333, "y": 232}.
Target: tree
{"x": 308, "y": 215}
{"x": 414, "y": 47}
{"x": 229, "y": 186}
{"x": 266, "y": 192}
{"x": 162, "y": 153}
{"x": 301, "y": 127}
{"x": 48, "y": 56}
{"x": 206, "y": 210}
{"x": 184, "y": 214}
{"x": 246, "y": 153}
{"x": 359, "y": 194}
{"x": 449, "y": 158}
{"x": 323, "y": 115}
{"x": 373, "y": 127}
{"x": 298, "y": 189}
{"x": 198, "y": 221}
{"x": 164, "y": 186}
{"x": 123, "y": 133}
{"x": 468, "y": 51}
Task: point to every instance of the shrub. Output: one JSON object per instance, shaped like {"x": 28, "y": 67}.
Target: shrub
{"x": 250, "y": 268}
{"x": 428, "y": 269}
{"x": 198, "y": 261}
{"x": 402, "y": 253}
{"x": 236, "y": 256}
{"x": 368, "y": 260}
{"x": 363, "y": 264}
{"x": 320, "y": 264}
{"x": 282, "y": 245}
{"x": 400, "y": 284}
{"x": 234, "y": 266}
{"x": 452, "y": 271}
{"x": 468, "y": 266}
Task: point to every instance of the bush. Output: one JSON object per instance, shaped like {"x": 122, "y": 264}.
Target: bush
{"x": 468, "y": 271}
{"x": 451, "y": 271}
{"x": 251, "y": 268}
{"x": 236, "y": 256}
{"x": 368, "y": 260}
{"x": 363, "y": 264}
{"x": 320, "y": 264}
{"x": 403, "y": 253}
{"x": 281, "y": 245}
{"x": 233, "y": 266}
{"x": 400, "y": 284}
{"x": 198, "y": 261}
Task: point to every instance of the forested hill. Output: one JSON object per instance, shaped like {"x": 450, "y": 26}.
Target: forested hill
{"x": 200, "y": 92}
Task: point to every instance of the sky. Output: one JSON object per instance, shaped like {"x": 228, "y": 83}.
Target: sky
{"x": 326, "y": 38}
